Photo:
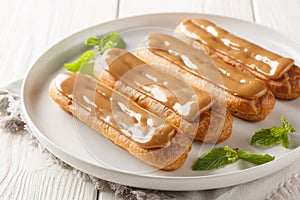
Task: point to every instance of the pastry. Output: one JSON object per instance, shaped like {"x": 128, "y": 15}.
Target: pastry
{"x": 280, "y": 74}
{"x": 158, "y": 144}
{"x": 245, "y": 96}
{"x": 190, "y": 110}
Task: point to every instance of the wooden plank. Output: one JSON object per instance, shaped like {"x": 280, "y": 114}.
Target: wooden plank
{"x": 29, "y": 27}
{"x": 280, "y": 15}
{"x": 26, "y": 173}
{"x": 232, "y": 8}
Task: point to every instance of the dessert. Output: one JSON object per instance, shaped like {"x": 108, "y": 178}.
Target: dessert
{"x": 190, "y": 110}
{"x": 159, "y": 145}
{"x": 280, "y": 74}
{"x": 245, "y": 96}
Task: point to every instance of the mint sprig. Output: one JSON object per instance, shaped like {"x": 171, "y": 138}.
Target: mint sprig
{"x": 221, "y": 156}
{"x": 274, "y": 135}
{"x": 215, "y": 158}
{"x": 113, "y": 40}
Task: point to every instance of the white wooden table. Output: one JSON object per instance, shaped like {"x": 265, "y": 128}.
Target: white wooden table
{"x": 30, "y": 27}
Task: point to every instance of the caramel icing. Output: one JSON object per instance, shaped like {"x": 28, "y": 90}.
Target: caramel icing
{"x": 171, "y": 92}
{"x": 201, "y": 65}
{"x": 146, "y": 129}
{"x": 253, "y": 56}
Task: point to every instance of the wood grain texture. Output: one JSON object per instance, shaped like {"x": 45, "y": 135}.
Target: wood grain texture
{"x": 27, "y": 173}
{"x": 232, "y": 8}
{"x": 29, "y": 28}
{"x": 280, "y": 15}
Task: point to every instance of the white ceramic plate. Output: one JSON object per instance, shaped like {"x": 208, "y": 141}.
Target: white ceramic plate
{"x": 58, "y": 131}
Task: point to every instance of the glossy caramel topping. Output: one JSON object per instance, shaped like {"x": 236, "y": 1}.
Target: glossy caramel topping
{"x": 147, "y": 130}
{"x": 253, "y": 56}
{"x": 171, "y": 92}
{"x": 200, "y": 64}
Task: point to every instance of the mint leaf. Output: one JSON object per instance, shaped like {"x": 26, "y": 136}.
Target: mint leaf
{"x": 277, "y": 131}
{"x": 113, "y": 40}
{"x": 215, "y": 158}
{"x": 254, "y": 158}
{"x": 108, "y": 45}
{"x": 85, "y": 58}
{"x": 100, "y": 45}
{"x": 264, "y": 137}
{"x": 274, "y": 135}
{"x": 284, "y": 140}
{"x": 92, "y": 41}
{"x": 224, "y": 155}
{"x": 287, "y": 126}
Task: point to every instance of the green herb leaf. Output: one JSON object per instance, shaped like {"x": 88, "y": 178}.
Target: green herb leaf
{"x": 254, "y": 158}
{"x": 265, "y": 137}
{"x": 113, "y": 40}
{"x": 287, "y": 126}
{"x": 224, "y": 155}
{"x": 92, "y": 41}
{"x": 215, "y": 158}
{"x": 100, "y": 45}
{"x": 85, "y": 58}
{"x": 284, "y": 140}
{"x": 274, "y": 135}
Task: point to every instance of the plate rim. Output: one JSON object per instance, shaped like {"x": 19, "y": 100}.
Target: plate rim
{"x": 71, "y": 160}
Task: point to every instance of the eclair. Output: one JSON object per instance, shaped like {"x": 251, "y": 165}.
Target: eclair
{"x": 280, "y": 74}
{"x": 192, "y": 111}
{"x": 244, "y": 95}
{"x": 147, "y": 137}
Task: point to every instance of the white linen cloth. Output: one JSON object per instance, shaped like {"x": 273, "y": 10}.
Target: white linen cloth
{"x": 282, "y": 185}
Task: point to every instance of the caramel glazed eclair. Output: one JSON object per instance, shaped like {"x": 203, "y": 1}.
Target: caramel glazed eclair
{"x": 146, "y": 136}
{"x": 160, "y": 120}
{"x": 245, "y": 96}
{"x": 191, "y": 111}
{"x": 280, "y": 74}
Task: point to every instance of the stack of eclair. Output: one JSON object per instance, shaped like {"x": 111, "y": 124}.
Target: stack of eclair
{"x": 156, "y": 103}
